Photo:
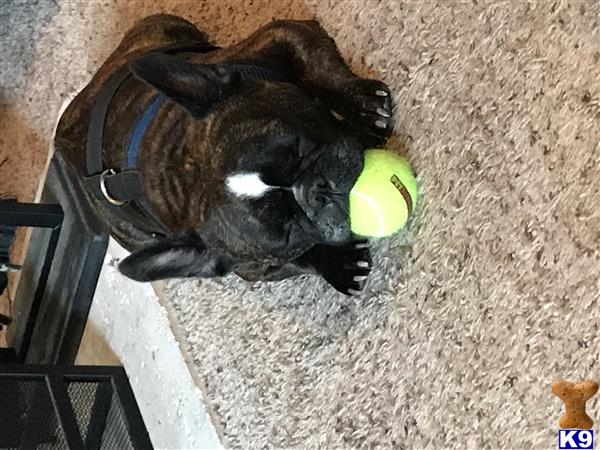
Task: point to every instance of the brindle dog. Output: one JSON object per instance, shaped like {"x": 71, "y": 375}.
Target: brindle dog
{"x": 247, "y": 175}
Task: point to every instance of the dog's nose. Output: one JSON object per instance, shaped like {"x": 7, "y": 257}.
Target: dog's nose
{"x": 342, "y": 152}
{"x": 312, "y": 194}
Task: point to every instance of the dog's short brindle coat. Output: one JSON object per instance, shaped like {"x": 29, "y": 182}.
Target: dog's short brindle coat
{"x": 303, "y": 138}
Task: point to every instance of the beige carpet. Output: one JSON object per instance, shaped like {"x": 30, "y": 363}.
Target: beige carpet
{"x": 493, "y": 291}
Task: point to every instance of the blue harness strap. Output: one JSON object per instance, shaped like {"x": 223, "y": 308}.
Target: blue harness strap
{"x": 141, "y": 126}
{"x": 120, "y": 189}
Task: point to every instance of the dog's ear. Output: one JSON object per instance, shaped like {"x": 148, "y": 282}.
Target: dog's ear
{"x": 179, "y": 256}
{"x": 194, "y": 86}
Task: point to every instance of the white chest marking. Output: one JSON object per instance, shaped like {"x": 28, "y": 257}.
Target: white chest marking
{"x": 247, "y": 185}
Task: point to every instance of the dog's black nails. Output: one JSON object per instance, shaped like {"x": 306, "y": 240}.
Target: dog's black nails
{"x": 382, "y": 112}
{"x": 381, "y": 93}
{"x": 380, "y": 124}
{"x": 337, "y": 115}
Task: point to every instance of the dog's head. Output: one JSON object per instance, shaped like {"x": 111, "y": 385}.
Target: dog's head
{"x": 287, "y": 170}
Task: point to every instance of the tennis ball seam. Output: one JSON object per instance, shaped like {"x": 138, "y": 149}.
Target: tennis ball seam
{"x": 398, "y": 184}
{"x": 374, "y": 208}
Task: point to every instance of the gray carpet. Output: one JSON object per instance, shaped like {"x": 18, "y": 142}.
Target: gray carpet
{"x": 492, "y": 292}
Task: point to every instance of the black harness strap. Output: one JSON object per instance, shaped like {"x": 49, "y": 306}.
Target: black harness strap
{"x": 116, "y": 187}
{"x": 98, "y": 114}
{"x": 121, "y": 189}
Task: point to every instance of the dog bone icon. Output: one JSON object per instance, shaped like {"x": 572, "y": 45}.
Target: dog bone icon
{"x": 574, "y": 396}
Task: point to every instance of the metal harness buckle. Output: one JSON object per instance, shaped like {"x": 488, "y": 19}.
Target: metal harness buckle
{"x": 107, "y": 196}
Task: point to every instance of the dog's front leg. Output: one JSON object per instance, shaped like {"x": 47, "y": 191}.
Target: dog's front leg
{"x": 345, "y": 267}
{"x": 310, "y": 58}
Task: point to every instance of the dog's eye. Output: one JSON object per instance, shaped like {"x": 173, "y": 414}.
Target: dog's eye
{"x": 317, "y": 201}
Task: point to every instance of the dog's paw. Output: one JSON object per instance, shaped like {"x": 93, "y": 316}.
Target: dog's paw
{"x": 347, "y": 267}
{"x": 370, "y": 111}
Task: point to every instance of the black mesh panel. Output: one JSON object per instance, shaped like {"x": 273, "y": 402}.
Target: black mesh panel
{"x": 27, "y": 416}
{"x": 99, "y": 415}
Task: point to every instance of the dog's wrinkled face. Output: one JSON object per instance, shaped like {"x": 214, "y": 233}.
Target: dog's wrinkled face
{"x": 294, "y": 168}
{"x": 287, "y": 170}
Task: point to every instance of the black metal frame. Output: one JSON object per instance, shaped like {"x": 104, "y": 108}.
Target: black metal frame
{"x": 38, "y": 215}
{"x": 60, "y": 271}
{"x": 56, "y": 376}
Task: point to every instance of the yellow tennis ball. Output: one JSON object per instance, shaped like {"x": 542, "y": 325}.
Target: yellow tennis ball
{"x": 384, "y": 195}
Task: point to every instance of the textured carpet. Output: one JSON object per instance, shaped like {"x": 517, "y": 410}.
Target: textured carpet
{"x": 492, "y": 292}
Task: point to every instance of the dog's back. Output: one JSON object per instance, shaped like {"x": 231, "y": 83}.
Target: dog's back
{"x": 150, "y": 33}
{"x": 153, "y": 32}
